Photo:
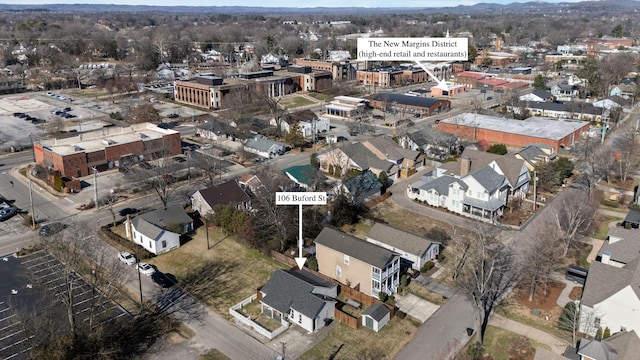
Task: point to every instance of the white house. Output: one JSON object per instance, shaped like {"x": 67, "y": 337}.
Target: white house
{"x": 317, "y": 126}
{"x": 444, "y": 191}
{"x": 228, "y": 193}
{"x": 264, "y": 147}
{"x": 375, "y": 317}
{"x": 159, "y": 231}
{"x": 611, "y": 295}
{"x": 537, "y": 95}
{"x": 411, "y": 248}
{"x": 299, "y": 296}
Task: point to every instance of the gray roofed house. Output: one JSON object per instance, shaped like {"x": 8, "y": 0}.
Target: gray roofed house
{"x": 440, "y": 184}
{"x": 213, "y": 129}
{"x": 159, "y": 231}
{"x": 302, "y": 297}
{"x": 624, "y": 345}
{"x": 489, "y": 179}
{"x": 384, "y": 147}
{"x": 227, "y": 193}
{"x": 536, "y": 154}
{"x": 608, "y": 287}
{"x": 356, "y": 248}
{"x": 357, "y": 263}
{"x": 264, "y": 147}
{"x": 361, "y": 188}
{"x": 365, "y": 159}
{"x": 413, "y": 248}
{"x": 622, "y": 246}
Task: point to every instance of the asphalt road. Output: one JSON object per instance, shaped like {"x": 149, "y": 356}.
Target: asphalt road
{"x": 443, "y": 334}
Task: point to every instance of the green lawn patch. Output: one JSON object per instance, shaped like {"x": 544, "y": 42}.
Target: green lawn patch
{"x": 321, "y": 97}
{"x": 546, "y": 326}
{"x": 295, "y": 102}
{"x": 601, "y": 223}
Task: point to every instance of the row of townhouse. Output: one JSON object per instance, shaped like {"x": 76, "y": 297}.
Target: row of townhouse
{"x": 479, "y": 185}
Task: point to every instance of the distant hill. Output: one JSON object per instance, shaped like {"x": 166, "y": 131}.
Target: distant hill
{"x": 526, "y": 7}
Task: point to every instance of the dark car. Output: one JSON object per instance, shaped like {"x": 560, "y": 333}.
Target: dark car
{"x": 164, "y": 280}
{"x": 38, "y": 121}
{"x": 410, "y": 124}
{"x": 437, "y": 121}
{"x": 353, "y": 133}
{"x": 173, "y": 116}
{"x": 127, "y": 211}
{"x": 7, "y": 212}
{"x": 51, "y": 229}
{"x": 67, "y": 109}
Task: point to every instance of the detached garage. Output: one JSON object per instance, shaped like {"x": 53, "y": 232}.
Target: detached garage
{"x": 375, "y": 317}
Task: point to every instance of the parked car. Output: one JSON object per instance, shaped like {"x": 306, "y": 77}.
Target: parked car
{"x": 127, "y": 211}
{"x": 410, "y": 124}
{"x": 38, "y": 121}
{"x": 437, "y": 121}
{"x": 164, "y": 280}
{"x": 51, "y": 229}
{"x": 179, "y": 159}
{"x": 173, "y": 116}
{"x": 67, "y": 109}
{"x": 127, "y": 258}
{"x": 146, "y": 269}
{"x": 7, "y": 213}
{"x": 413, "y": 273}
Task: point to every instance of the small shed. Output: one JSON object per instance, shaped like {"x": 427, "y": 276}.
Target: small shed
{"x": 376, "y": 316}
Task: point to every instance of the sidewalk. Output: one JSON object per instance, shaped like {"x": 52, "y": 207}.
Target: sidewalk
{"x": 557, "y": 345}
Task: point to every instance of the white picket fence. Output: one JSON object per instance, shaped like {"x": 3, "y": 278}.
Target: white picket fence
{"x": 245, "y": 320}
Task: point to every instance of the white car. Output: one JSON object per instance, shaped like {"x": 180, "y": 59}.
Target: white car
{"x": 146, "y": 269}
{"x": 127, "y": 258}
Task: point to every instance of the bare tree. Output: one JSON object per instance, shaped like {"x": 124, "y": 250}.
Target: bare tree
{"x": 488, "y": 272}
{"x": 572, "y": 214}
{"x": 158, "y": 177}
{"x": 542, "y": 255}
{"x": 627, "y": 154}
{"x": 210, "y": 165}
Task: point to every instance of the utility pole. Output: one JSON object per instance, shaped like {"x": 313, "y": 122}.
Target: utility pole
{"x": 535, "y": 192}
{"x": 33, "y": 214}
{"x": 95, "y": 185}
{"x": 206, "y": 230}
{"x": 284, "y": 347}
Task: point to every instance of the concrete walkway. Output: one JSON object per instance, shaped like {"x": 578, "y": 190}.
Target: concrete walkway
{"x": 557, "y": 345}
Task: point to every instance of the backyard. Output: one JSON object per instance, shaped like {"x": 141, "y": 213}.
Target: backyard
{"x": 501, "y": 344}
{"x": 343, "y": 342}
{"x": 222, "y": 273}
{"x": 295, "y": 101}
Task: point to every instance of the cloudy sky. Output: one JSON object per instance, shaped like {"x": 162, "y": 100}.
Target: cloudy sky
{"x": 262, "y": 3}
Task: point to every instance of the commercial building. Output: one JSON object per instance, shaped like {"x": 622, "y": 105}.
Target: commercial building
{"x": 407, "y": 104}
{"x": 534, "y": 130}
{"x": 106, "y": 148}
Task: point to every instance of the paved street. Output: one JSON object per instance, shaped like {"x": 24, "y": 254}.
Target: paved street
{"x": 443, "y": 334}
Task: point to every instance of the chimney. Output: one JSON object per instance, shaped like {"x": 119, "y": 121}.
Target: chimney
{"x": 606, "y": 257}
{"x": 465, "y": 166}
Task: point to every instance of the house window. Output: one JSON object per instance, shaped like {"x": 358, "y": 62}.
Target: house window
{"x": 346, "y": 259}
{"x": 300, "y": 318}
{"x": 164, "y": 244}
{"x": 338, "y": 271}
{"x": 375, "y": 285}
{"x": 596, "y": 322}
{"x": 376, "y": 270}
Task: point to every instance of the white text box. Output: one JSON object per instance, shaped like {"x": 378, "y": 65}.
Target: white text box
{"x": 413, "y": 49}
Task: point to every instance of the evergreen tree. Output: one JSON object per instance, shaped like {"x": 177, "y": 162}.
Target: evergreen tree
{"x": 539, "y": 83}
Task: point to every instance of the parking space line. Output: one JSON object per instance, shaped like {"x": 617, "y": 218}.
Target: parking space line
{"x": 17, "y": 342}
{"x": 12, "y": 334}
{"x": 3, "y": 310}
{"x": 16, "y": 354}
{"x": 85, "y": 300}
{"x": 34, "y": 259}
{"x": 50, "y": 281}
{"x": 8, "y": 326}
{"x": 7, "y": 318}
{"x": 47, "y": 268}
{"x": 42, "y": 263}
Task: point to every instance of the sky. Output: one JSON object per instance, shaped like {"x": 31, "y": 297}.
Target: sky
{"x": 262, "y": 3}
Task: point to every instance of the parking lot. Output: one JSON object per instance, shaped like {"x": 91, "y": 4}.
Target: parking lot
{"x": 30, "y": 288}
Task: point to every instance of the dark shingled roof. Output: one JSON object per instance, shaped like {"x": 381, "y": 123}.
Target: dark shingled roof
{"x": 399, "y": 239}
{"x": 623, "y": 244}
{"x": 227, "y": 193}
{"x": 364, "y": 157}
{"x": 489, "y": 179}
{"x": 164, "y": 217}
{"x": 605, "y": 280}
{"x": 377, "y": 311}
{"x": 355, "y": 248}
{"x": 293, "y": 289}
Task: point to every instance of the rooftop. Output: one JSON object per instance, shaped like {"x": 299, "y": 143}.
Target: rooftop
{"x": 539, "y": 127}
{"x": 356, "y": 248}
{"x": 100, "y": 139}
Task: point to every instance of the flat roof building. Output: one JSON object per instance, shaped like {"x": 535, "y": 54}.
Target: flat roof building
{"x": 556, "y": 133}
{"x": 106, "y": 148}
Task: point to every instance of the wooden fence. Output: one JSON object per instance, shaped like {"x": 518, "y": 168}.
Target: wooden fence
{"x": 343, "y": 317}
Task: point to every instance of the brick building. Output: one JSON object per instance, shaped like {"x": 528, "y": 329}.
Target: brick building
{"x": 212, "y": 92}
{"x": 106, "y": 148}
{"x": 535, "y": 130}
{"x": 340, "y": 70}
{"x": 407, "y": 104}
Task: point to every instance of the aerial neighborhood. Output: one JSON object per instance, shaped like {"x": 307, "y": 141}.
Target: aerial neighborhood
{"x": 485, "y": 208}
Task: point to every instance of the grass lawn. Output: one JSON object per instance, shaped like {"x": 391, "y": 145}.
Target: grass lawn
{"x": 223, "y": 275}
{"x": 602, "y": 223}
{"x": 254, "y": 312}
{"x": 363, "y": 343}
{"x": 409, "y": 221}
{"x": 213, "y": 354}
{"x": 295, "y": 102}
{"x": 322, "y": 97}
{"x": 423, "y": 293}
{"x": 538, "y": 323}
{"x": 502, "y": 344}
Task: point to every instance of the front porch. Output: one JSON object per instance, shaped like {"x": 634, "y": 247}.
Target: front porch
{"x": 487, "y": 211}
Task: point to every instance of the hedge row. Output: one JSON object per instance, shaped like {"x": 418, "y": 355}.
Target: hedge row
{"x": 121, "y": 243}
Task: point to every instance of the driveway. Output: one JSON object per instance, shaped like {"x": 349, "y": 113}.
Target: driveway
{"x": 433, "y": 285}
{"x": 443, "y": 334}
{"x": 416, "y": 307}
